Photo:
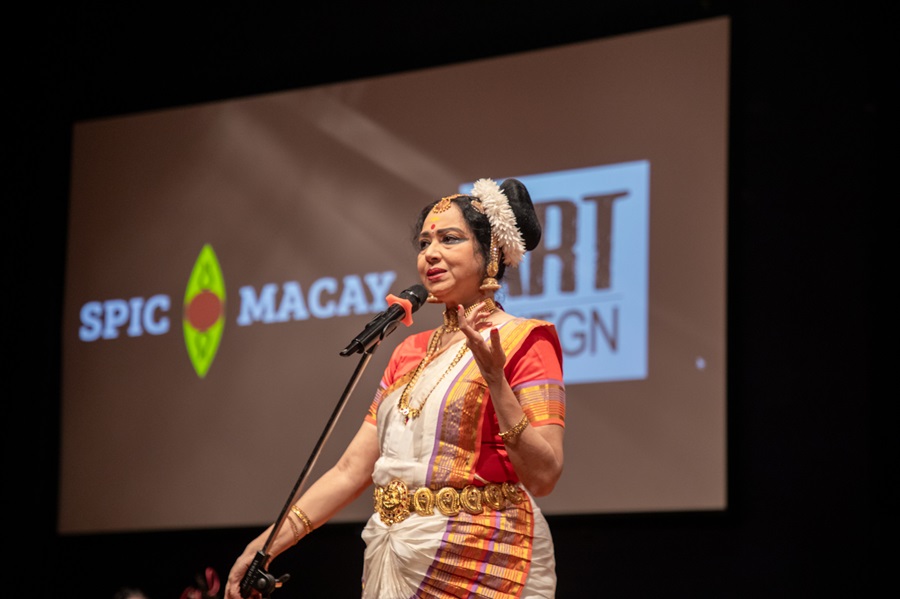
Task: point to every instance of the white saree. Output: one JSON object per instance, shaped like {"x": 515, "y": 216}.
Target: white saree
{"x": 498, "y": 554}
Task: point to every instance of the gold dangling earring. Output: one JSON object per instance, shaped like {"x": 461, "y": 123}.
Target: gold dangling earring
{"x": 490, "y": 284}
{"x": 432, "y": 300}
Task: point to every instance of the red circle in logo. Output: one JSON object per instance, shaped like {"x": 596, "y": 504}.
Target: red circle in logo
{"x": 204, "y": 310}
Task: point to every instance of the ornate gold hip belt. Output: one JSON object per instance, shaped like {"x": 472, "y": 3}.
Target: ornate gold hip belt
{"x": 395, "y": 501}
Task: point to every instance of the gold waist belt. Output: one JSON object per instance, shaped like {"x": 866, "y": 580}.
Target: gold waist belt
{"x": 395, "y": 501}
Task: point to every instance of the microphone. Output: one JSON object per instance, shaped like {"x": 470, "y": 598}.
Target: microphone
{"x": 400, "y": 309}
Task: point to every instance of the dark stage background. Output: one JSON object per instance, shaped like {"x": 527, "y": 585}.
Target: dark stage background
{"x": 805, "y": 115}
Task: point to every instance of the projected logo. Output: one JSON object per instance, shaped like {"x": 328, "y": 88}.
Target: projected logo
{"x": 204, "y": 310}
{"x": 589, "y": 275}
{"x": 203, "y": 319}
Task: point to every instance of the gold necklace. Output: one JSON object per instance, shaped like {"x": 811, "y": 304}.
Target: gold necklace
{"x": 451, "y": 318}
{"x": 451, "y": 325}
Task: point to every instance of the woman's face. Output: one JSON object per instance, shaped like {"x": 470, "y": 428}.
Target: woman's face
{"x": 450, "y": 263}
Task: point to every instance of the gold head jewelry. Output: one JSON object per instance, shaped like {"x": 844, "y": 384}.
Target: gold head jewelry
{"x": 444, "y": 204}
{"x": 490, "y": 283}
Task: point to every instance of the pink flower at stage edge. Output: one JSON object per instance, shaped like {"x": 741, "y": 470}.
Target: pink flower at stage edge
{"x": 207, "y": 587}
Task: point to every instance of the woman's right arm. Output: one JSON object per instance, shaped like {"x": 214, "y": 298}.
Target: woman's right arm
{"x": 333, "y": 491}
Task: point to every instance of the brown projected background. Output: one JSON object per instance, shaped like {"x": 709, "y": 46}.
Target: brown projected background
{"x": 325, "y": 182}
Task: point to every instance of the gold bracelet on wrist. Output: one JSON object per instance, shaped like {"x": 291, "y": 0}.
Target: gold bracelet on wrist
{"x": 295, "y": 529}
{"x": 513, "y": 433}
{"x": 303, "y": 518}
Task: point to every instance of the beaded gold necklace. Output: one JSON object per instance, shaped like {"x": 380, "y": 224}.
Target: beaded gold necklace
{"x": 451, "y": 325}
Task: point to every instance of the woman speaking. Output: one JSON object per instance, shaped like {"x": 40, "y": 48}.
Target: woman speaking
{"x": 465, "y": 429}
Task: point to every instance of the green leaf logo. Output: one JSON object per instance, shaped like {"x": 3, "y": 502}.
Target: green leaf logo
{"x": 204, "y": 310}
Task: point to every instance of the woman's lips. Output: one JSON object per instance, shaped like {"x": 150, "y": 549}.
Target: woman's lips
{"x": 434, "y": 274}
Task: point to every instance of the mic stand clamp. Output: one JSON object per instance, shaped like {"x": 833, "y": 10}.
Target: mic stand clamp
{"x": 257, "y": 579}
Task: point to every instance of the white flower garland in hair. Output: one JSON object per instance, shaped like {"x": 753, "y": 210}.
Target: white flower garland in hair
{"x": 503, "y": 221}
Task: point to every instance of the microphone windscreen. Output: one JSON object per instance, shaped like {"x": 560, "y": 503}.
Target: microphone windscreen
{"x": 410, "y": 300}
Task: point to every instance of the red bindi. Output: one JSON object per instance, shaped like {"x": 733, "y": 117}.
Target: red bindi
{"x": 432, "y": 226}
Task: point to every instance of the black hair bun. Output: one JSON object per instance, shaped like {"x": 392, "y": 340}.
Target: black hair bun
{"x": 522, "y": 206}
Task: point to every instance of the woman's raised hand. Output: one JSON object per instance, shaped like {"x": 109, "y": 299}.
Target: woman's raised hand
{"x": 488, "y": 354}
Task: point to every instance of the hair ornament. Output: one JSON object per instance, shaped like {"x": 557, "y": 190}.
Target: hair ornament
{"x": 504, "y": 231}
{"x": 445, "y": 203}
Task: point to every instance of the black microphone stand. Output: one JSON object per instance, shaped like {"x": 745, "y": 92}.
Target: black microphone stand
{"x": 257, "y": 578}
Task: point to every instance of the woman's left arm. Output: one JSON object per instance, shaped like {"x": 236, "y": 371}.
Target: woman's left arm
{"x": 536, "y": 452}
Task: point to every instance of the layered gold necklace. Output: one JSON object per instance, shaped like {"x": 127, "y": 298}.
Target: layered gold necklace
{"x": 451, "y": 325}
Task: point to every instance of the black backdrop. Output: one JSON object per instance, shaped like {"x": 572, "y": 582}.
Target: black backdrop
{"x": 805, "y": 115}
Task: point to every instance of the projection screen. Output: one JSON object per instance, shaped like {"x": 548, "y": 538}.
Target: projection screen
{"x": 221, "y": 255}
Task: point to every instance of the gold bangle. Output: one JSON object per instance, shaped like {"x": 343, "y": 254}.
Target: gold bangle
{"x": 303, "y": 518}
{"x": 295, "y": 529}
{"x": 513, "y": 433}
